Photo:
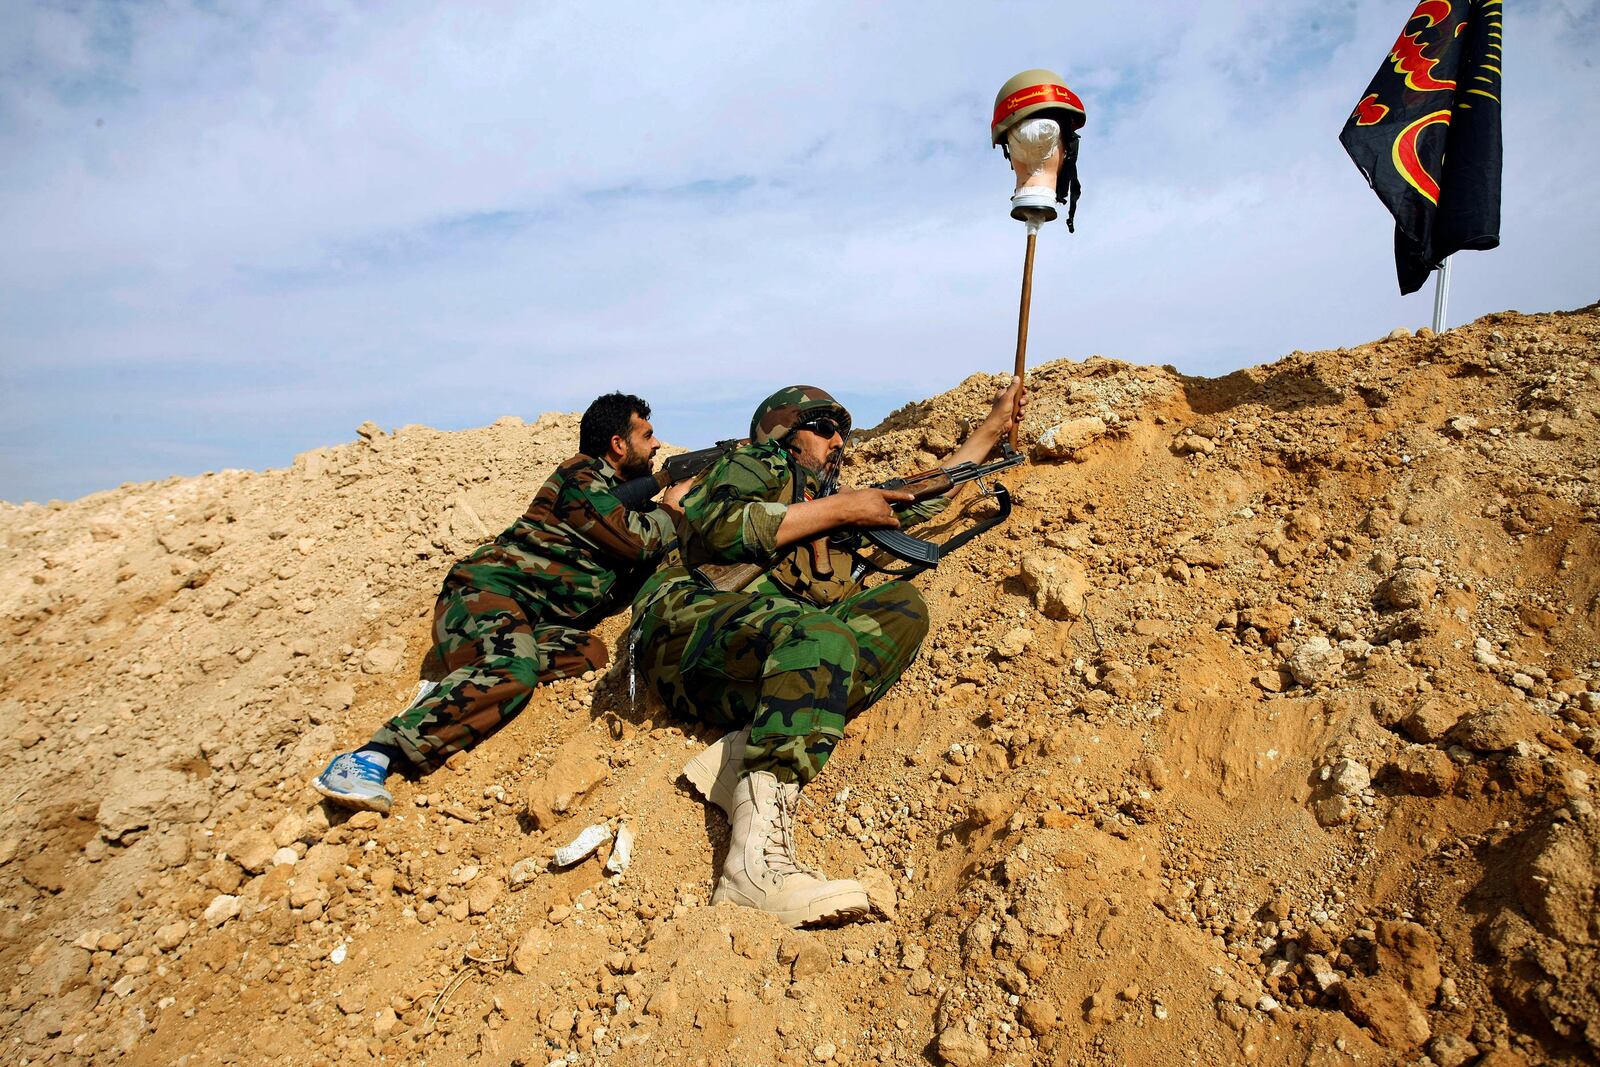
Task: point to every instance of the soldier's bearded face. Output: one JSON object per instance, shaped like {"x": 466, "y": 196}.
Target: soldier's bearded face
{"x": 639, "y": 449}
{"x": 817, "y": 452}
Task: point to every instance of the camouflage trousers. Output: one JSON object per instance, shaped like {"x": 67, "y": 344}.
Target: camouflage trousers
{"x": 793, "y": 672}
{"x": 495, "y": 655}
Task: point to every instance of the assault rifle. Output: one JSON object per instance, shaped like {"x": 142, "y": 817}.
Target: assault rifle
{"x": 937, "y": 481}
{"x": 635, "y": 493}
{"x": 812, "y": 575}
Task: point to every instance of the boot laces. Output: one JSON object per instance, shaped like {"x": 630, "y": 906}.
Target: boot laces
{"x": 781, "y": 854}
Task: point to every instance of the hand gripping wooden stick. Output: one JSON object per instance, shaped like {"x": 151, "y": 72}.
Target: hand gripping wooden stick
{"x": 1022, "y": 319}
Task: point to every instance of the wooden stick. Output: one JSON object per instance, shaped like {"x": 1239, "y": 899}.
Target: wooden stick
{"x": 1022, "y": 319}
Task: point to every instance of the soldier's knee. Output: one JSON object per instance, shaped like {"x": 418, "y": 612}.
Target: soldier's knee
{"x": 912, "y": 599}
{"x": 566, "y": 653}
{"x": 596, "y": 653}
{"x": 809, "y": 639}
{"x": 900, "y": 595}
{"x": 526, "y": 672}
{"x": 903, "y": 605}
{"x": 820, "y": 626}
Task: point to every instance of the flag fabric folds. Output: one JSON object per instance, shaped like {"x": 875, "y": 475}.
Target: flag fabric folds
{"x": 1426, "y": 134}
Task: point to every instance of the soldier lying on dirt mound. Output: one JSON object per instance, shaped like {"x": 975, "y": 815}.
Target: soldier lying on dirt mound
{"x": 786, "y": 664}
{"x": 516, "y": 612}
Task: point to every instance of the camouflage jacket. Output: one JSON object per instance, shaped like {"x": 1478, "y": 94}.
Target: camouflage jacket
{"x": 577, "y": 554}
{"x": 733, "y": 515}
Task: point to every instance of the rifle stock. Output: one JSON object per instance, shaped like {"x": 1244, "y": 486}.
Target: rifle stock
{"x": 729, "y": 577}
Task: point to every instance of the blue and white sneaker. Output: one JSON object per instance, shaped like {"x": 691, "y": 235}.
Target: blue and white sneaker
{"x": 355, "y": 780}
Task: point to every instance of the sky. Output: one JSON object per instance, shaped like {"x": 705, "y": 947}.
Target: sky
{"x": 230, "y": 233}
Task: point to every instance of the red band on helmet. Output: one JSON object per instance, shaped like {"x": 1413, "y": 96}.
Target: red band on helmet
{"x": 1035, "y": 94}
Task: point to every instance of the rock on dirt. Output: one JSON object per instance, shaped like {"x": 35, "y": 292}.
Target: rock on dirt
{"x": 1057, "y": 582}
{"x": 223, "y": 907}
{"x": 576, "y": 770}
{"x": 1409, "y": 955}
{"x": 1425, "y": 771}
{"x": 1559, "y": 882}
{"x": 1065, "y": 439}
{"x": 959, "y": 1048}
{"x": 1492, "y": 729}
{"x": 252, "y": 850}
{"x": 136, "y": 801}
{"x": 1382, "y": 1006}
{"x": 1315, "y": 660}
{"x": 1432, "y": 720}
{"x": 1409, "y": 588}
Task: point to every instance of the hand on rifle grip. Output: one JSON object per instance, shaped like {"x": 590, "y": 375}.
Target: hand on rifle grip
{"x": 672, "y": 497}
{"x": 871, "y": 508}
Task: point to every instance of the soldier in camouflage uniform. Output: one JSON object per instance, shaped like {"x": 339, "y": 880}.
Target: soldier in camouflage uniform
{"x": 784, "y": 661}
{"x": 517, "y": 611}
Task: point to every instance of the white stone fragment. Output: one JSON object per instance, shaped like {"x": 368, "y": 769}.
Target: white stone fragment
{"x": 1355, "y": 648}
{"x": 1315, "y": 660}
{"x": 1322, "y": 973}
{"x": 1065, "y": 439}
{"x": 222, "y": 908}
{"x": 1350, "y": 777}
{"x": 583, "y": 846}
{"x": 622, "y": 851}
{"x": 90, "y": 941}
{"x": 523, "y": 872}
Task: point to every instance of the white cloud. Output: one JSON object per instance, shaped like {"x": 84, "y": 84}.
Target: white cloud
{"x": 294, "y": 217}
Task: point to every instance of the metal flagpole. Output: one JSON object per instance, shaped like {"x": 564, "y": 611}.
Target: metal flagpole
{"x": 1441, "y": 295}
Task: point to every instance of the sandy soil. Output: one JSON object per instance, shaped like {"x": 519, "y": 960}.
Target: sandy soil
{"x": 1264, "y": 732}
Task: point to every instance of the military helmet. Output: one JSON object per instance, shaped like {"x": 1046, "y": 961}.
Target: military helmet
{"x": 780, "y": 413}
{"x": 1035, "y": 94}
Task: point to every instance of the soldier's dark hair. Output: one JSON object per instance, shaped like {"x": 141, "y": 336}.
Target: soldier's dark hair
{"x": 609, "y": 416}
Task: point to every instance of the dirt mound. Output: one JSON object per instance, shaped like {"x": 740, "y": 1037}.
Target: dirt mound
{"x": 1263, "y": 732}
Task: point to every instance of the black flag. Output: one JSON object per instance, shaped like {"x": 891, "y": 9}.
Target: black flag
{"x": 1427, "y": 134}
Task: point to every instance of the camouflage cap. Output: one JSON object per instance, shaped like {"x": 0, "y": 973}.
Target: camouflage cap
{"x": 781, "y": 412}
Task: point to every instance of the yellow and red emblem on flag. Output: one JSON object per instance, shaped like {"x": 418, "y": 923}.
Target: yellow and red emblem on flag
{"x": 1369, "y": 111}
{"x": 1409, "y": 163}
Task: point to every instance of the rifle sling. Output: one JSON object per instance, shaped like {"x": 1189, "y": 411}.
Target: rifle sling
{"x": 918, "y": 560}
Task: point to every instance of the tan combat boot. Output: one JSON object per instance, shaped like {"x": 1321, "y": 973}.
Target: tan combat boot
{"x": 715, "y": 771}
{"x": 761, "y": 870}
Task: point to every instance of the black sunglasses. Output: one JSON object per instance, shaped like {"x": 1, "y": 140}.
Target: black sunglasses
{"x": 824, "y": 426}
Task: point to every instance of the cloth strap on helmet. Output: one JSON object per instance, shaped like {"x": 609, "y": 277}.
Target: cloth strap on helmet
{"x": 1068, "y": 188}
